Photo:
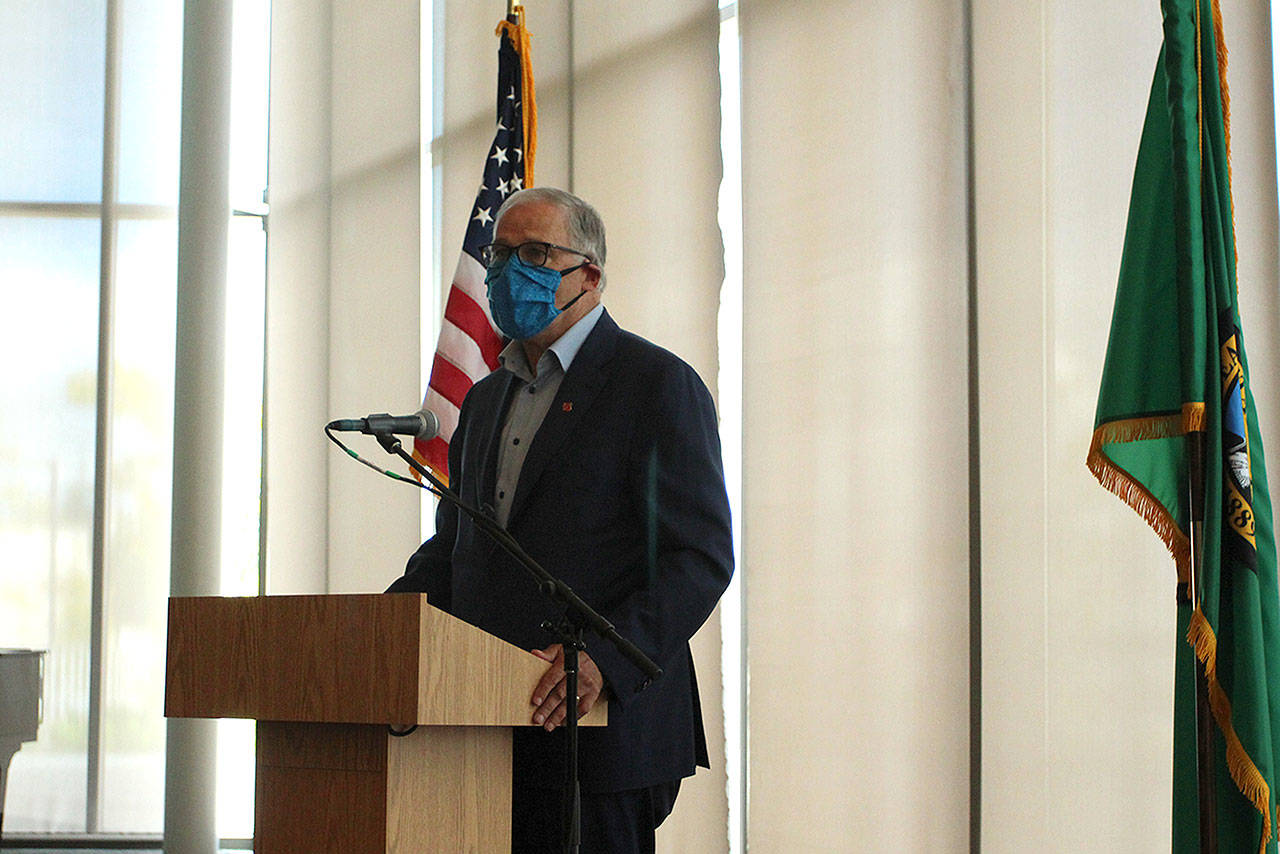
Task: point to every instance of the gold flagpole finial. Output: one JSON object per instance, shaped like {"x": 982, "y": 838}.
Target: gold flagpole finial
{"x": 512, "y": 5}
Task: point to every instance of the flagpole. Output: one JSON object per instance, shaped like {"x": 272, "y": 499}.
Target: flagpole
{"x": 1204, "y": 720}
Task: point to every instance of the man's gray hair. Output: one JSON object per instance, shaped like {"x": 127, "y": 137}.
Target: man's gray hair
{"x": 586, "y": 228}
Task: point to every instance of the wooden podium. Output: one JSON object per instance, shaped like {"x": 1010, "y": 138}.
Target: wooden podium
{"x": 325, "y": 677}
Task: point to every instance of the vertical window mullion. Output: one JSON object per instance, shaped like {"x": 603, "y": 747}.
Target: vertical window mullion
{"x": 105, "y": 382}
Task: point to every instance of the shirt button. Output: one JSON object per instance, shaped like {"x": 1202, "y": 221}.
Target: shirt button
{"x": 515, "y": 441}
{"x": 502, "y": 493}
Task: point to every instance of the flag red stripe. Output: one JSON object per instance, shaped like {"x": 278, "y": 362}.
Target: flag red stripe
{"x": 466, "y": 314}
{"x": 449, "y": 380}
{"x": 434, "y": 454}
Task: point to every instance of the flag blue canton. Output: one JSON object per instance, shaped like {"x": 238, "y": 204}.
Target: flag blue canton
{"x": 504, "y": 169}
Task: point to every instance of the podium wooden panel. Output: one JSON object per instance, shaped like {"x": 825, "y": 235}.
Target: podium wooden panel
{"x": 324, "y": 676}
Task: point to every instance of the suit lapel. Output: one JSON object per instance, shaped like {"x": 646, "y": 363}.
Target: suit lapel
{"x": 585, "y": 379}
{"x": 489, "y": 473}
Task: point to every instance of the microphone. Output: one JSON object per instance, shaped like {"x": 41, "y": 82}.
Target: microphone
{"x": 422, "y": 424}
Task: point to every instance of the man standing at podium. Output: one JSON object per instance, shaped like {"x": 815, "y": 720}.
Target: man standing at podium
{"x": 599, "y": 452}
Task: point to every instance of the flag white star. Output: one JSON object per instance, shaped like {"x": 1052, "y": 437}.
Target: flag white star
{"x": 511, "y": 96}
{"x": 519, "y": 153}
{"x": 516, "y": 183}
{"x": 499, "y": 154}
{"x": 482, "y": 216}
{"x": 501, "y": 127}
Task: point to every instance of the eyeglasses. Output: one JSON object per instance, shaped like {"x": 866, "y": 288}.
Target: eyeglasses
{"x": 534, "y": 253}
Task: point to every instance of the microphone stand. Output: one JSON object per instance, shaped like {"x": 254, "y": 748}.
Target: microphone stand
{"x": 569, "y": 629}
{"x": 570, "y": 634}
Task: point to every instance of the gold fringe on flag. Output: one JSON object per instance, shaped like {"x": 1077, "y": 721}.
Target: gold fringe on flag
{"x": 1200, "y": 634}
{"x": 1114, "y": 478}
{"x": 1244, "y": 773}
{"x": 519, "y": 36}
{"x": 1221, "y": 41}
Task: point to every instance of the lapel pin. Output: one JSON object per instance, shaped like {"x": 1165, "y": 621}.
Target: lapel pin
{"x": 567, "y": 406}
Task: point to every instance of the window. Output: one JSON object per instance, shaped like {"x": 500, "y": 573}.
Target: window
{"x": 89, "y": 146}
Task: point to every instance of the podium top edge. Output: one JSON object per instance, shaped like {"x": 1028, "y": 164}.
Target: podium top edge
{"x": 299, "y": 596}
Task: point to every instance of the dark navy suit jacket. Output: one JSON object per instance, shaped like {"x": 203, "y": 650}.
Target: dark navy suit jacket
{"x": 622, "y": 496}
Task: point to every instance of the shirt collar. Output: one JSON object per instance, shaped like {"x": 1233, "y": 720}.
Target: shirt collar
{"x": 565, "y": 347}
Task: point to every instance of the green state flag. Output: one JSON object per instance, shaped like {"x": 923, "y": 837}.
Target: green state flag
{"x": 1176, "y": 364}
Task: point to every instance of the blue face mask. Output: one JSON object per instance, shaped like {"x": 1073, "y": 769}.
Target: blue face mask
{"x": 522, "y": 299}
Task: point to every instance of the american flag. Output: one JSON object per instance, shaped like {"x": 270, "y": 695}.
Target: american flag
{"x": 469, "y": 343}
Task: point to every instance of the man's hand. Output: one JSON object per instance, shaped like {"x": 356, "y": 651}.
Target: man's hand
{"x": 548, "y": 697}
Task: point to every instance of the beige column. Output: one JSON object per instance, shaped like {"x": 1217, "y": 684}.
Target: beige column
{"x": 203, "y": 212}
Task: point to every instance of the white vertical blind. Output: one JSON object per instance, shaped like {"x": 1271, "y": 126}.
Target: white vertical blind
{"x": 1009, "y": 167}
{"x": 646, "y": 133}
{"x": 855, "y": 425}
{"x": 343, "y": 289}
{"x": 374, "y": 278}
{"x": 296, "y": 393}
